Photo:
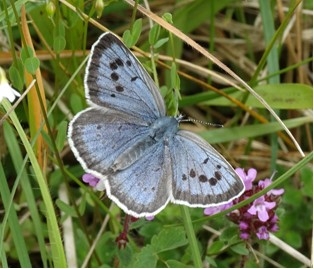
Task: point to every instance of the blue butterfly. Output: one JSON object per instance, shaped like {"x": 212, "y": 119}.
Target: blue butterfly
{"x": 140, "y": 155}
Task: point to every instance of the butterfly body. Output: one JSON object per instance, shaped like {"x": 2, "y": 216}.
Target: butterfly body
{"x": 160, "y": 131}
{"x": 141, "y": 156}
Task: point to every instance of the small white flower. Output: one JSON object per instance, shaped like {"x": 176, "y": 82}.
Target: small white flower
{"x": 6, "y": 91}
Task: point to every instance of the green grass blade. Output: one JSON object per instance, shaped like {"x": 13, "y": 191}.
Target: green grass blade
{"x": 57, "y": 250}
{"x": 24, "y": 180}
{"x": 13, "y": 221}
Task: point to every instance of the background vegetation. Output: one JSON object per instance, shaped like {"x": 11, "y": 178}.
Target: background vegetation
{"x": 50, "y": 218}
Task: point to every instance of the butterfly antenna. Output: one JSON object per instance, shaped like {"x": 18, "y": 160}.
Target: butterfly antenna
{"x": 181, "y": 119}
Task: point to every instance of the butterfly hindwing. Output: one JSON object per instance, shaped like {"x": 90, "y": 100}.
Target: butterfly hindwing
{"x": 144, "y": 188}
{"x": 201, "y": 176}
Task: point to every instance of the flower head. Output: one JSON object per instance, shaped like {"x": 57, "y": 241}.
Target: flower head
{"x": 257, "y": 218}
{"x": 6, "y": 91}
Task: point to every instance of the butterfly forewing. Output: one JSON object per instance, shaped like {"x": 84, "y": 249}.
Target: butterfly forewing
{"x": 107, "y": 135}
{"x": 115, "y": 79}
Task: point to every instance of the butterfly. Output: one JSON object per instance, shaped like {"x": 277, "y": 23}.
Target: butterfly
{"x": 142, "y": 158}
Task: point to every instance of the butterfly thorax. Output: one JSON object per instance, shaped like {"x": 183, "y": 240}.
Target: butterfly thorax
{"x": 164, "y": 128}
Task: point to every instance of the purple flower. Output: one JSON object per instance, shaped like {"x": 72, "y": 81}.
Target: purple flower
{"x": 247, "y": 178}
{"x": 244, "y": 235}
{"x": 149, "y": 218}
{"x": 260, "y": 208}
{"x": 265, "y": 183}
{"x": 90, "y": 179}
{"x": 257, "y": 218}
{"x": 262, "y": 233}
{"x": 243, "y": 225}
{"x": 215, "y": 209}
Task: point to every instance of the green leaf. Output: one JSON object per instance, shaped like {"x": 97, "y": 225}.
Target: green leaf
{"x": 307, "y": 180}
{"x": 59, "y": 43}
{"x": 127, "y": 38}
{"x": 26, "y": 52}
{"x": 16, "y": 77}
{"x": 175, "y": 80}
{"x": 170, "y": 238}
{"x": 284, "y": 96}
{"x": 154, "y": 34}
{"x": 77, "y": 103}
{"x": 168, "y": 17}
{"x": 176, "y": 264}
{"x": 59, "y": 29}
{"x": 278, "y": 96}
{"x": 145, "y": 258}
{"x": 136, "y": 30}
{"x": 47, "y": 139}
{"x": 161, "y": 42}
{"x": 240, "y": 249}
{"x": 67, "y": 209}
{"x": 228, "y": 233}
{"x": 32, "y": 64}
{"x": 130, "y": 37}
{"x": 211, "y": 261}
{"x": 126, "y": 257}
{"x": 215, "y": 247}
{"x": 235, "y": 133}
{"x": 61, "y": 135}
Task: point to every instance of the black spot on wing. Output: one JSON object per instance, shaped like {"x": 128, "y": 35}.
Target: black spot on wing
{"x": 119, "y": 62}
{"x": 218, "y": 175}
{"x": 212, "y": 181}
{"x": 114, "y": 76}
{"x": 192, "y": 173}
{"x": 206, "y": 160}
{"x": 203, "y": 178}
{"x": 119, "y": 88}
{"x": 113, "y": 66}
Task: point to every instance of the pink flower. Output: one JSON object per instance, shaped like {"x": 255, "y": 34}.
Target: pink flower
{"x": 244, "y": 235}
{"x": 265, "y": 183}
{"x": 260, "y": 208}
{"x": 149, "y": 218}
{"x": 90, "y": 179}
{"x": 262, "y": 233}
{"x": 243, "y": 225}
{"x": 215, "y": 209}
{"x": 257, "y": 218}
{"x": 247, "y": 178}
